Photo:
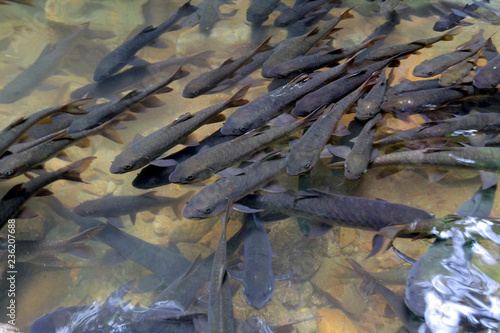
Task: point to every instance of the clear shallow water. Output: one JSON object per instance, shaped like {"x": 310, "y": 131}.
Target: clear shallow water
{"x": 320, "y": 285}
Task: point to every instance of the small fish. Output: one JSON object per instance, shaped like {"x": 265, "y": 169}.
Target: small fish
{"x": 455, "y": 18}
{"x": 209, "y": 80}
{"x": 209, "y": 13}
{"x": 298, "y": 12}
{"x": 369, "y": 105}
{"x": 457, "y": 73}
{"x": 123, "y": 54}
{"x": 388, "y": 6}
{"x": 144, "y": 150}
{"x": 102, "y": 113}
{"x": 11, "y": 203}
{"x": 297, "y": 46}
{"x": 22, "y": 2}
{"x": 306, "y": 152}
{"x": 112, "y": 207}
{"x": 406, "y": 86}
{"x": 208, "y": 162}
{"x": 464, "y": 125}
{"x": 475, "y": 158}
{"x": 488, "y": 76}
{"x": 403, "y": 49}
{"x": 259, "y": 10}
{"x": 42, "y": 252}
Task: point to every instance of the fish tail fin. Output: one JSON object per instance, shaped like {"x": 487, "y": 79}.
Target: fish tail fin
{"x": 179, "y": 204}
{"x": 187, "y": 9}
{"x": 72, "y": 172}
{"x": 238, "y": 98}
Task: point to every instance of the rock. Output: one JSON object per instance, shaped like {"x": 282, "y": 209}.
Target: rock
{"x": 334, "y": 321}
{"x": 309, "y": 326}
{"x": 349, "y": 297}
{"x": 190, "y": 231}
{"x": 347, "y": 236}
{"x": 191, "y": 251}
{"x": 162, "y": 225}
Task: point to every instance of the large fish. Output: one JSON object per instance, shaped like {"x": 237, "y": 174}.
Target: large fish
{"x": 336, "y": 210}
{"x": 208, "y": 162}
{"x": 455, "y": 18}
{"x": 11, "y": 204}
{"x": 107, "y": 111}
{"x": 298, "y": 12}
{"x": 144, "y": 150}
{"x": 297, "y": 46}
{"x": 488, "y": 76}
{"x": 112, "y": 207}
{"x": 123, "y": 54}
{"x": 259, "y": 10}
{"x": 406, "y": 86}
{"x": 209, "y": 80}
{"x": 42, "y": 252}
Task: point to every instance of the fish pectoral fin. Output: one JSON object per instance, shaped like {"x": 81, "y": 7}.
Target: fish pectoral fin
{"x": 235, "y": 274}
{"x": 158, "y": 44}
{"x": 112, "y": 258}
{"x": 164, "y": 163}
{"x": 43, "y": 192}
{"x": 216, "y": 119}
{"x": 152, "y": 102}
{"x": 115, "y": 221}
{"x": 81, "y": 250}
{"x": 26, "y": 213}
{"x": 274, "y": 187}
{"x": 112, "y": 135}
{"x": 46, "y": 260}
{"x": 229, "y": 172}
{"x": 63, "y": 156}
{"x": 190, "y": 141}
{"x": 284, "y": 276}
{"x": 246, "y": 209}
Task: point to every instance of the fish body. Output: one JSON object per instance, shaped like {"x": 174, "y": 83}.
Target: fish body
{"x": 209, "y": 80}
{"x": 306, "y": 152}
{"x": 297, "y": 46}
{"x": 455, "y": 74}
{"x": 454, "y": 18}
{"x": 476, "y": 158}
{"x": 119, "y": 57}
{"x": 406, "y": 86}
{"x": 297, "y": 12}
{"x": 481, "y": 122}
{"x": 488, "y": 76}
{"x": 11, "y": 203}
{"x": 388, "y": 6}
{"x": 369, "y": 105}
{"x": 259, "y": 10}
{"x": 358, "y": 159}
{"x": 107, "y": 111}
{"x": 336, "y": 210}
{"x": 142, "y": 151}
{"x": 213, "y": 199}
{"x": 258, "y": 112}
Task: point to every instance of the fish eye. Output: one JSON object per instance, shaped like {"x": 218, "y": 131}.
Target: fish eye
{"x": 208, "y": 210}
{"x": 430, "y": 73}
{"x": 128, "y": 167}
{"x": 307, "y": 165}
{"x": 243, "y": 129}
{"x": 270, "y": 288}
{"x": 9, "y": 172}
{"x": 191, "y": 177}
{"x": 155, "y": 180}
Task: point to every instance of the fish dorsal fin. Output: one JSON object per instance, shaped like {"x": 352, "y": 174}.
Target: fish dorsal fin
{"x": 227, "y": 62}
{"x": 149, "y": 28}
{"x": 16, "y": 122}
{"x": 44, "y": 192}
{"x": 313, "y": 32}
{"x": 182, "y": 118}
{"x": 137, "y": 137}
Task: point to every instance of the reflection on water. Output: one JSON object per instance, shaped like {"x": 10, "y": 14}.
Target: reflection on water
{"x": 455, "y": 281}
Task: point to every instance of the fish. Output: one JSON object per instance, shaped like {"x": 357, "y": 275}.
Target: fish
{"x": 430, "y": 99}
{"x": 145, "y": 149}
{"x": 369, "y": 105}
{"x": 42, "y": 252}
{"x": 259, "y": 10}
{"x": 112, "y": 207}
{"x": 123, "y": 54}
{"x": 134, "y": 77}
{"x": 258, "y": 112}
{"x": 305, "y": 153}
{"x": 154, "y": 176}
{"x": 337, "y": 89}
{"x": 336, "y": 210}
{"x": 220, "y": 303}
{"x": 104, "y": 112}
{"x": 208, "y": 162}
{"x": 454, "y": 18}
{"x": 209, "y": 80}
{"x": 297, "y": 46}
{"x": 388, "y": 6}
{"x": 212, "y": 200}
{"x": 298, "y": 12}
{"x": 408, "y": 48}
{"x": 22, "y": 2}
{"x": 488, "y": 76}
{"x": 406, "y": 86}
{"x": 440, "y": 63}
{"x": 209, "y": 13}
{"x": 463, "y": 125}
{"x": 456, "y": 74}
{"x": 11, "y": 204}
{"x": 475, "y": 158}
{"x": 16, "y": 129}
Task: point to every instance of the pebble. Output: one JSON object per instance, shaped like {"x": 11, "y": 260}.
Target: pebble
{"x": 334, "y": 321}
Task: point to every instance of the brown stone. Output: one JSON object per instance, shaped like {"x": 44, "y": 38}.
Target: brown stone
{"x": 334, "y": 321}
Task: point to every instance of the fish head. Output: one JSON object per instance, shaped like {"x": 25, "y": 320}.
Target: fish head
{"x": 257, "y": 292}
{"x": 365, "y": 110}
{"x": 423, "y": 70}
{"x": 85, "y": 209}
{"x": 203, "y": 206}
{"x": 107, "y": 67}
{"x": 354, "y": 169}
{"x": 300, "y": 161}
{"x": 11, "y": 166}
{"x": 235, "y": 125}
{"x": 149, "y": 178}
{"x": 193, "y": 89}
{"x": 126, "y": 162}
{"x": 187, "y": 174}
{"x": 286, "y": 18}
{"x": 10, "y": 94}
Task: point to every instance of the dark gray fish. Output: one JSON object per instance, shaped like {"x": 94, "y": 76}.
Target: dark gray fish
{"x": 369, "y": 105}
{"x": 11, "y": 203}
{"x": 336, "y": 210}
{"x": 112, "y": 207}
{"x": 208, "y": 162}
{"x": 258, "y": 112}
{"x": 297, "y": 46}
{"x": 42, "y": 252}
{"x": 165, "y": 264}
{"x": 488, "y": 76}
{"x": 136, "y": 77}
{"x": 123, "y": 54}
{"x": 464, "y": 125}
{"x": 153, "y": 176}
{"x": 454, "y": 18}
{"x": 439, "y": 64}
{"x": 144, "y": 150}
{"x": 58, "y": 123}
{"x": 107, "y": 111}
{"x": 209, "y": 80}
{"x": 220, "y": 302}
{"x": 22, "y": 2}
{"x": 306, "y": 152}
{"x": 209, "y": 13}
{"x": 298, "y": 12}
{"x": 310, "y": 63}
{"x": 259, "y": 10}
{"x": 337, "y": 89}
{"x": 406, "y": 86}
{"x": 402, "y": 49}
{"x": 15, "y": 130}
{"x": 388, "y": 6}
{"x": 457, "y": 73}
{"x": 430, "y": 99}
{"x": 475, "y": 158}
{"x": 212, "y": 200}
